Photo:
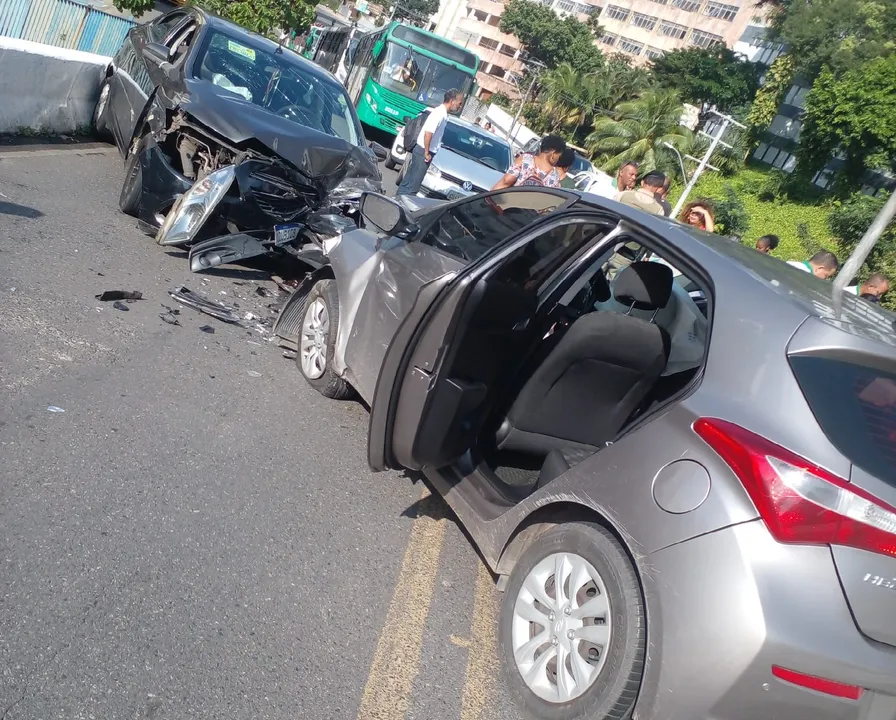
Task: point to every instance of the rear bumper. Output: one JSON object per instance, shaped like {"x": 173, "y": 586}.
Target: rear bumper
{"x": 724, "y": 608}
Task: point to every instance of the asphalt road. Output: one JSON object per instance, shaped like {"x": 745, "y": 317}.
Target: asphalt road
{"x": 198, "y": 533}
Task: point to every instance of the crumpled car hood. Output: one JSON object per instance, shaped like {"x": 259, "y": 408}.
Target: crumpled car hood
{"x": 328, "y": 162}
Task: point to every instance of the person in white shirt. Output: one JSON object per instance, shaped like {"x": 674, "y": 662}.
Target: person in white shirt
{"x": 822, "y": 264}
{"x": 428, "y": 143}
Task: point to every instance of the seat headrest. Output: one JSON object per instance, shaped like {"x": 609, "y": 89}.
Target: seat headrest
{"x": 644, "y": 285}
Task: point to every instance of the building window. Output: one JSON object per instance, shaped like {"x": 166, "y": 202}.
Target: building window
{"x": 654, "y": 53}
{"x": 704, "y": 39}
{"x": 630, "y": 46}
{"x": 508, "y": 50}
{"x": 614, "y": 12}
{"x": 672, "y": 30}
{"x": 760, "y": 151}
{"x": 608, "y": 39}
{"x": 582, "y": 8}
{"x": 497, "y": 71}
{"x": 661, "y": 2}
{"x": 565, "y": 6}
{"x": 720, "y": 11}
{"x": 647, "y": 22}
{"x": 494, "y": 20}
{"x": 687, "y": 5}
{"x": 488, "y": 43}
{"x": 480, "y": 16}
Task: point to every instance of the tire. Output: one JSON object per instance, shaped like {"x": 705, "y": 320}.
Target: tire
{"x": 614, "y": 652}
{"x": 100, "y": 124}
{"x": 317, "y": 341}
{"x": 390, "y": 163}
{"x": 132, "y": 187}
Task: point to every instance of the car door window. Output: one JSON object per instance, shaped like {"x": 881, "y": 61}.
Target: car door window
{"x": 161, "y": 28}
{"x": 180, "y": 41}
{"x": 469, "y": 230}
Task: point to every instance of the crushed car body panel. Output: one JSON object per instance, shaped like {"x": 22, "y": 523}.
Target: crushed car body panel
{"x": 224, "y": 250}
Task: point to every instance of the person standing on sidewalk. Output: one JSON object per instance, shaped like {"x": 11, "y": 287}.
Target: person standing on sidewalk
{"x": 428, "y": 143}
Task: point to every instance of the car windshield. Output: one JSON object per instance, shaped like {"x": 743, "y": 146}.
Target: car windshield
{"x": 483, "y": 147}
{"x": 269, "y": 80}
{"x": 580, "y": 164}
{"x": 417, "y": 76}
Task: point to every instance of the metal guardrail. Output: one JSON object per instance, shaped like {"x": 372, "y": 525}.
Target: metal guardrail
{"x": 63, "y": 23}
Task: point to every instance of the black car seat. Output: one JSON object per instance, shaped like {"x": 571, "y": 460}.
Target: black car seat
{"x": 600, "y": 371}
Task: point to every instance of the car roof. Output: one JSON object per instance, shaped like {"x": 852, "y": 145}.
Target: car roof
{"x": 259, "y": 42}
{"x": 789, "y": 284}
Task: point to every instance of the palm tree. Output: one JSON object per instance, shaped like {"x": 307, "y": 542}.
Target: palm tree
{"x": 639, "y": 130}
{"x": 572, "y": 98}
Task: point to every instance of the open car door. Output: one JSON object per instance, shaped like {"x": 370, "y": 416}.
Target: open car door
{"x": 458, "y": 348}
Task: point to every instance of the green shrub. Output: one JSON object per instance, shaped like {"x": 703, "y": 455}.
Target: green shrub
{"x": 796, "y": 223}
{"x": 730, "y": 214}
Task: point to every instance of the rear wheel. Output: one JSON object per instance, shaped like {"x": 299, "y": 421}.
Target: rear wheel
{"x": 572, "y": 627}
{"x": 317, "y": 341}
{"x": 132, "y": 188}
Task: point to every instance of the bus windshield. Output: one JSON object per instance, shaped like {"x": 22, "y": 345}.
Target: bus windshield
{"x": 417, "y": 76}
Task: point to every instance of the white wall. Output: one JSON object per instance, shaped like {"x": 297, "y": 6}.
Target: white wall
{"x": 47, "y": 88}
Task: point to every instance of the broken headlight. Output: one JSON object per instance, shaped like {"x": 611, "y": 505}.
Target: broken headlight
{"x": 191, "y": 211}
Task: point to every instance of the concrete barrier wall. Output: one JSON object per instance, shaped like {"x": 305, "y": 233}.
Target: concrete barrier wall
{"x": 46, "y": 88}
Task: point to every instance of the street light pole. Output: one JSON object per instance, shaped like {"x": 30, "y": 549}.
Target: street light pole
{"x": 525, "y": 99}
{"x": 684, "y": 174}
{"x": 727, "y": 120}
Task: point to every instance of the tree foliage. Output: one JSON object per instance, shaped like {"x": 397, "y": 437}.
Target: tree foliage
{"x": 265, "y": 16}
{"x": 639, "y": 131}
{"x": 778, "y": 80}
{"x": 416, "y": 11}
{"x": 856, "y": 115}
{"x": 550, "y": 39}
{"x": 730, "y": 213}
{"x": 708, "y": 76}
{"x": 838, "y": 33}
{"x": 570, "y": 100}
{"x": 262, "y": 16}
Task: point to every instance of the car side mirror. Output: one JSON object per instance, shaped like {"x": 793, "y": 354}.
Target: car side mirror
{"x": 380, "y": 151}
{"x": 157, "y": 53}
{"x": 386, "y": 215}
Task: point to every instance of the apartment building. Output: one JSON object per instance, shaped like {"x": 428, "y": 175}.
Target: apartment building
{"x": 474, "y": 24}
{"x": 646, "y": 29}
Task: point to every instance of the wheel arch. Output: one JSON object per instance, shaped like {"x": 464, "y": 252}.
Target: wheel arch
{"x": 548, "y": 516}
{"x": 286, "y": 327}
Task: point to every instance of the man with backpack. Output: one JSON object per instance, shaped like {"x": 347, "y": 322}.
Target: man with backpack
{"x": 422, "y": 146}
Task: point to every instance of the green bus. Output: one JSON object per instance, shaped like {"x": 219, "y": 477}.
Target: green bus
{"x": 397, "y": 72}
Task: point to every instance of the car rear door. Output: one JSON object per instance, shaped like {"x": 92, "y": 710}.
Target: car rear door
{"x": 452, "y": 356}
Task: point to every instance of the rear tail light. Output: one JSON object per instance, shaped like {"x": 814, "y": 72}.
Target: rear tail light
{"x": 799, "y": 502}
{"x": 822, "y": 685}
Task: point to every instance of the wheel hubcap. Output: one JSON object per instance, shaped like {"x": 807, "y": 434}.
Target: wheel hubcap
{"x": 315, "y": 332}
{"x": 561, "y": 627}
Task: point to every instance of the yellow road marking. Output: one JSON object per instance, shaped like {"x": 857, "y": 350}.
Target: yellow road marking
{"x": 396, "y": 660}
{"x": 459, "y": 641}
{"x": 482, "y": 658}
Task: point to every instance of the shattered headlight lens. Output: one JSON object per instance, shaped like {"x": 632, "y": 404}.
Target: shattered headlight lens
{"x": 191, "y": 211}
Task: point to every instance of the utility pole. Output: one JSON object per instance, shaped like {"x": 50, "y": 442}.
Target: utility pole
{"x": 727, "y": 121}
{"x": 524, "y": 100}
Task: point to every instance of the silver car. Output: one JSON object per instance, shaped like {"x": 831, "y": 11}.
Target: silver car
{"x": 471, "y": 160}
{"x": 675, "y": 454}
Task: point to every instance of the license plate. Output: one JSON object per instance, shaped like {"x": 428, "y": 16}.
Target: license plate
{"x": 456, "y": 194}
{"x": 286, "y": 233}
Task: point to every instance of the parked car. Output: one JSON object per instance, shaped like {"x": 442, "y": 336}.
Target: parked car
{"x": 471, "y": 160}
{"x": 230, "y": 139}
{"x": 690, "y": 511}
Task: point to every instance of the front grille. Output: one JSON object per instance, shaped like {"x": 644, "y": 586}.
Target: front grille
{"x": 400, "y": 102}
{"x": 388, "y": 122}
{"x": 457, "y": 181}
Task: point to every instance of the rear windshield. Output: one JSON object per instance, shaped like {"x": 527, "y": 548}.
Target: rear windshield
{"x": 856, "y": 408}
